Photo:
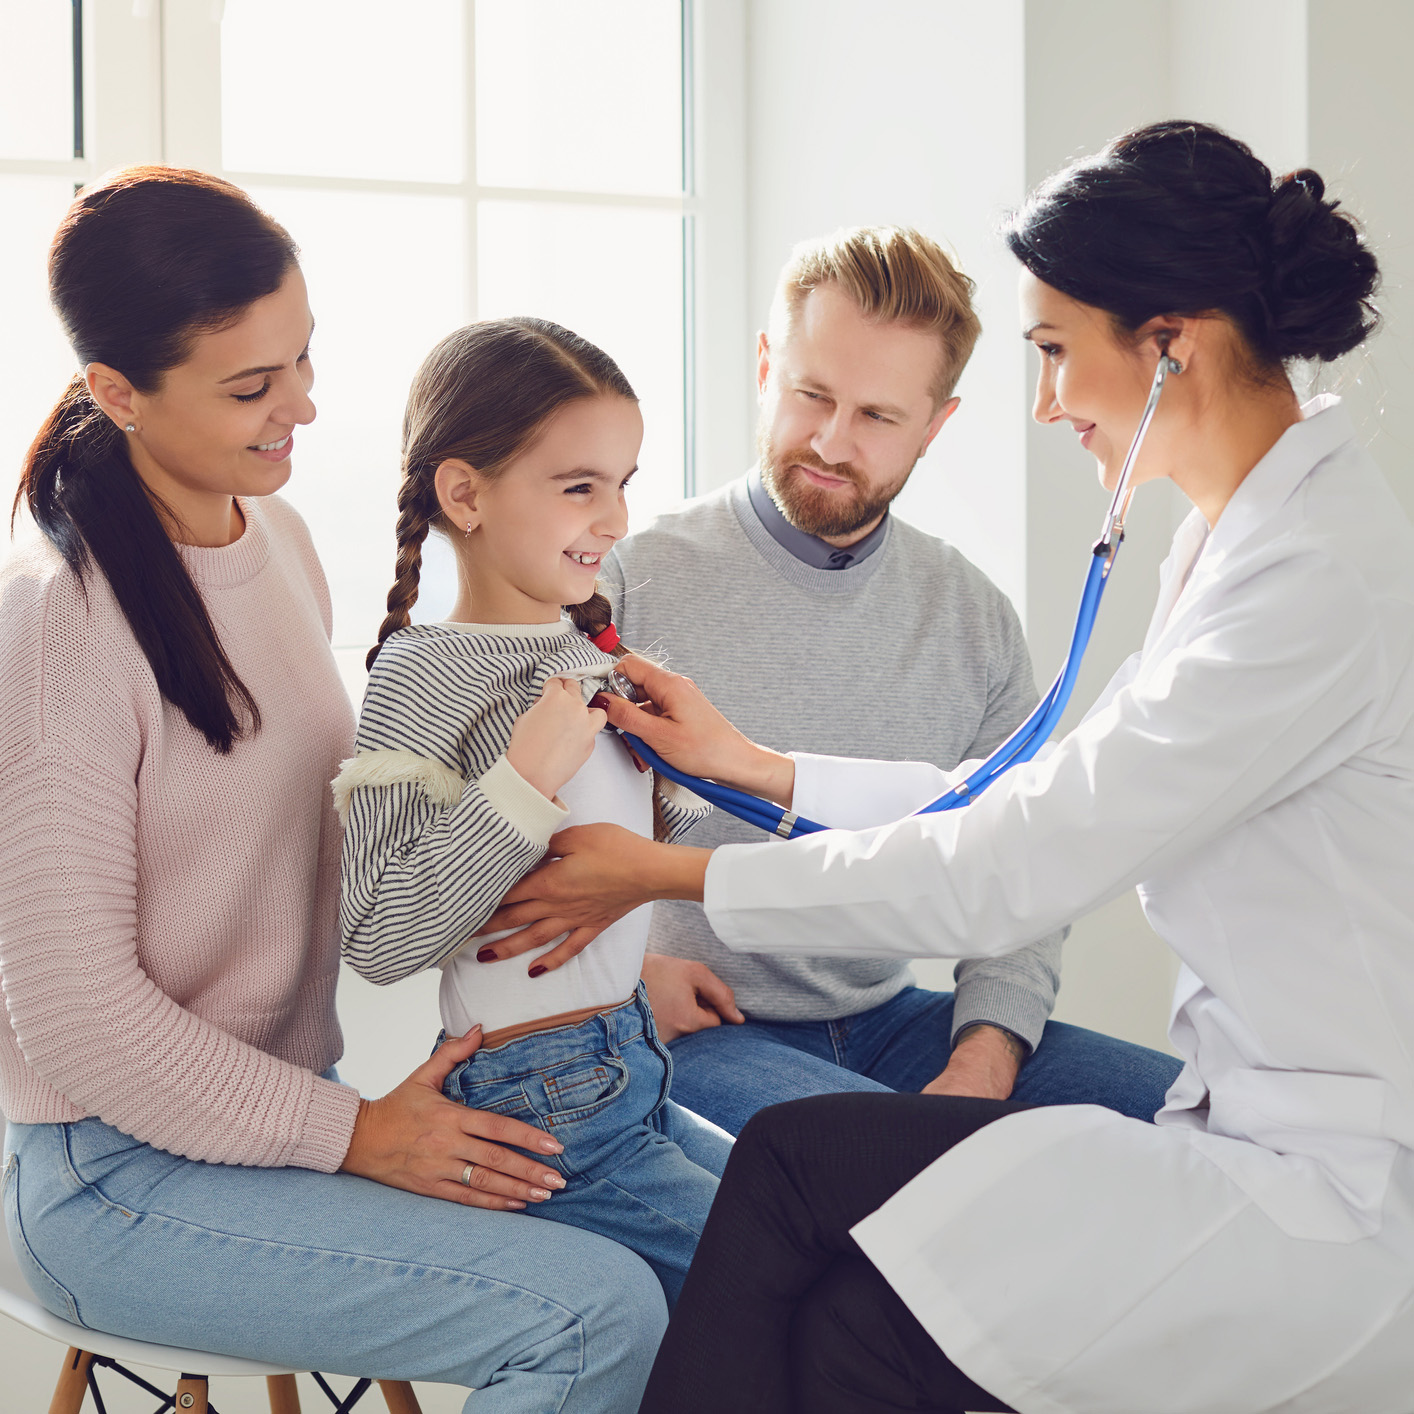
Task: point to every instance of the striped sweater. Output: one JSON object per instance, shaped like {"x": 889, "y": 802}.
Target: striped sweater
{"x": 438, "y": 823}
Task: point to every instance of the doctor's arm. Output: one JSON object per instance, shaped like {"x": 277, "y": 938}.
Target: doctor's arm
{"x": 1273, "y": 688}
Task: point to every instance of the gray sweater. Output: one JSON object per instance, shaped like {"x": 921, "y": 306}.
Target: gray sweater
{"x": 911, "y": 654}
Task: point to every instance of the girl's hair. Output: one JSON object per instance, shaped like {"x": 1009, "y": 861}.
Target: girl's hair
{"x": 143, "y": 262}
{"x": 1180, "y": 218}
{"x": 483, "y": 396}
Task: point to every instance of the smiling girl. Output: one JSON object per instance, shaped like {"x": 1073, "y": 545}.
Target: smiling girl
{"x": 476, "y": 744}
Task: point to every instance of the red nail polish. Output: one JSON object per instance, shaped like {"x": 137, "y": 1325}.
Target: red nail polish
{"x": 599, "y": 702}
{"x": 537, "y": 970}
{"x": 486, "y": 955}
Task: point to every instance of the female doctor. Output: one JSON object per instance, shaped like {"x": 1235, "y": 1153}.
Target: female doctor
{"x": 1251, "y": 770}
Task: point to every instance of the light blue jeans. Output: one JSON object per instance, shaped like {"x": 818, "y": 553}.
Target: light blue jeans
{"x": 727, "y": 1073}
{"x": 638, "y": 1168}
{"x": 328, "y": 1272}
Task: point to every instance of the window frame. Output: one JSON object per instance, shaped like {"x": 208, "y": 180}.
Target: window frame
{"x": 151, "y": 92}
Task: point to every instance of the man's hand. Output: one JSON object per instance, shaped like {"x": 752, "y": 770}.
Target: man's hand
{"x": 686, "y": 996}
{"x": 984, "y": 1064}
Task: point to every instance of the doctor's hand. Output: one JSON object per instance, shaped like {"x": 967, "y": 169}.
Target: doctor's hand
{"x": 688, "y": 732}
{"x": 416, "y": 1138}
{"x": 984, "y": 1065}
{"x": 686, "y": 996}
{"x": 593, "y": 875}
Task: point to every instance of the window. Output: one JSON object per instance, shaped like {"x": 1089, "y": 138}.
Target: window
{"x": 436, "y": 163}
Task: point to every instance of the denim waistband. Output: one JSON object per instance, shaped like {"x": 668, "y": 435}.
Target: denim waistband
{"x": 607, "y": 1031}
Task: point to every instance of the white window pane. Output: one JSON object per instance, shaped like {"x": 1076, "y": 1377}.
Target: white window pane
{"x": 613, "y": 275}
{"x": 579, "y": 97}
{"x": 344, "y": 88}
{"x": 386, "y": 281}
{"x": 35, "y": 360}
{"x": 37, "y": 79}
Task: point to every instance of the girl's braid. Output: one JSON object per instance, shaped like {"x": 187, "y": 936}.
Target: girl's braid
{"x": 417, "y": 509}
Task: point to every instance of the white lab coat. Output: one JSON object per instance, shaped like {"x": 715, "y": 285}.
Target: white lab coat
{"x": 1252, "y": 771}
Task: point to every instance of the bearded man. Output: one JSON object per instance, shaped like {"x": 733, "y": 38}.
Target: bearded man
{"x": 818, "y": 620}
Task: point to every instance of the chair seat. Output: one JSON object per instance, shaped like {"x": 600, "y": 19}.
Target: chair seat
{"x": 18, "y": 1303}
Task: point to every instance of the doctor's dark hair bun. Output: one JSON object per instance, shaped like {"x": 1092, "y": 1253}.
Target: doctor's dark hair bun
{"x": 1180, "y": 218}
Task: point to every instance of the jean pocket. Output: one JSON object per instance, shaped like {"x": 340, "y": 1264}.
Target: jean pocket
{"x": 578, "y": 1090}
{"x": 54, "y": 1297}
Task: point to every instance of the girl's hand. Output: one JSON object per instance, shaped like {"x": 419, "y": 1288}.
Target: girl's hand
{"x": 598, "y": 874}
{"x": 683, "y": 727}
{"x": 416, "y": 1138}
{"x": 552, "y": 739}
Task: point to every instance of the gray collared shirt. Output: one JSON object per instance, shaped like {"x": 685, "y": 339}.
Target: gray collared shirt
{"x": 809, "y": 549}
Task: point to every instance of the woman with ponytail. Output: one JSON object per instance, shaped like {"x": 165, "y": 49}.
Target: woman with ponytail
{"x": 182, "y": 1164}
{"x": 478, "y": 740}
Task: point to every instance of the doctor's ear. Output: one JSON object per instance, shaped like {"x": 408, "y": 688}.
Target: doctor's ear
{"x": 1168, "y": 334}
{"x": 458, "y": 485}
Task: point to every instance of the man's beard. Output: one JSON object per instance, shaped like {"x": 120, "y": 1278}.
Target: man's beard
{"x": 826, "y": 514}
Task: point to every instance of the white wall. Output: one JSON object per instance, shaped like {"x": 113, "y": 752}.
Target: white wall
{"x": 906, "y": 112}
{"x": 1361, "y": 105}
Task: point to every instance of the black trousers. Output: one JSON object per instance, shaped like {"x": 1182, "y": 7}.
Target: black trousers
{"x": 781, "y": 1313}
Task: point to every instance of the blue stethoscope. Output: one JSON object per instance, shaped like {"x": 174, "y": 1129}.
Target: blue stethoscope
{"x": 1023, "y": 743}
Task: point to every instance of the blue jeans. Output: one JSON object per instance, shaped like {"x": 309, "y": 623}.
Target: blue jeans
{"x": 727, "y": 1073}
{"x": 638, "y": 1168}
{"x": 327, "y": 1272}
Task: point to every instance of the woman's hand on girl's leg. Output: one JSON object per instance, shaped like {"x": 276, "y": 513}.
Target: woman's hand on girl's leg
{"x": 416, "y": 1138}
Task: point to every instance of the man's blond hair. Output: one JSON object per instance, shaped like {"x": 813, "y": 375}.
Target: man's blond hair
{"x": 892, "y": 273}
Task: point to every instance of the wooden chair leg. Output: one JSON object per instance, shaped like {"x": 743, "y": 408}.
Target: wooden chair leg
{"x": 73, "y": 1383}
{"x": 191, "y": 1395}
{"x": 284, "y": 1394}
{"x": 399, "y": 1397}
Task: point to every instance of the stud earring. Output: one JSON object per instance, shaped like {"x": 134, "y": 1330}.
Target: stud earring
{"x": 131, "y": 427}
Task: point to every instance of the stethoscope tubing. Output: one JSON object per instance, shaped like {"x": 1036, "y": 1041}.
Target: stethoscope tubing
{"x": 1023, "y": 744}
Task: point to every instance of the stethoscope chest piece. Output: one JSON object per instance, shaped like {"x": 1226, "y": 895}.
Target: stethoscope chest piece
{"x": 620, "y": 686}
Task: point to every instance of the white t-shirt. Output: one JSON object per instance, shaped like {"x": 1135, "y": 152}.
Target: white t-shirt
{"x": 608, "y": 787}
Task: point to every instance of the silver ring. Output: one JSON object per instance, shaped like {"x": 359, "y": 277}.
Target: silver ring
{"x": 466, "y": 1174}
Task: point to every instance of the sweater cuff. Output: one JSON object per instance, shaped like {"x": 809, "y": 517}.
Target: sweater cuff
{"x": 521, "y": 804}
{"x": 328, "y": 1127}
{"x": 1002, "y": 1004}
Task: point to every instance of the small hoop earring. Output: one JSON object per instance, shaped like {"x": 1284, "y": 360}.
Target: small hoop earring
{"x": 468, "y": 527}
{"x": 131, "y": 427}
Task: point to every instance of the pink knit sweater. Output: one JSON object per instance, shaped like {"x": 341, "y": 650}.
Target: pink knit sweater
{"x": 169, "y": 936}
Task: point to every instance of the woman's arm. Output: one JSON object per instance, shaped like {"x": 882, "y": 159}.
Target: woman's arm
{"x": 88, "y": 1020}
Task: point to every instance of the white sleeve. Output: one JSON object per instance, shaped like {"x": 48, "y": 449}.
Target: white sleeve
{"x": 846, "y": 793}
{"x": 1275, "y": 688}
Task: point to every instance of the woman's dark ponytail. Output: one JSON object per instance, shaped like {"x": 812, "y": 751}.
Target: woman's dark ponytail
{"x": 1321, "y": 276}
{"x": 143, "y": 263}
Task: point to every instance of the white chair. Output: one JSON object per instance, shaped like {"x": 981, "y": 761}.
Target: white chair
{"x": 90, "y": 1351}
